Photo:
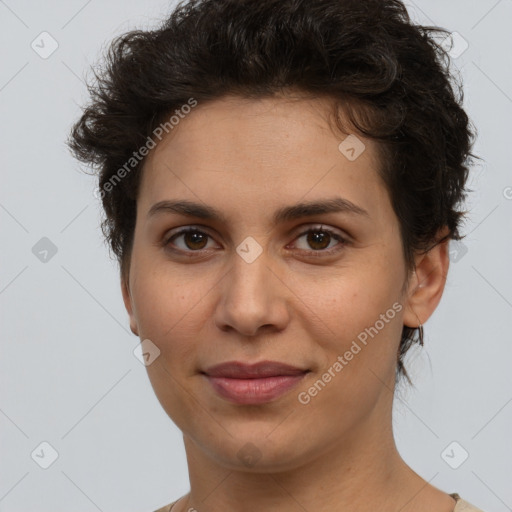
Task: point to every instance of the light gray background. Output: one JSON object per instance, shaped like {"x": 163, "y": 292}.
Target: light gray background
{"x": 68, "y": 373}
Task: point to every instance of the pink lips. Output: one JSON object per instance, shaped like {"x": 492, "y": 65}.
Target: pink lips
{"x": 253, "y": 384}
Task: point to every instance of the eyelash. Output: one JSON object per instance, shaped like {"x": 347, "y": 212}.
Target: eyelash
{"x": 315, "y": 253}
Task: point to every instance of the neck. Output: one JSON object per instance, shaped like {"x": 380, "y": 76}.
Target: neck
{"x": 361, "y": 472}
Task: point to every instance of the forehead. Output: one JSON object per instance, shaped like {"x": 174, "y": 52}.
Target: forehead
{"x": 282, "y": 126}
{"x": 260, "y": 150}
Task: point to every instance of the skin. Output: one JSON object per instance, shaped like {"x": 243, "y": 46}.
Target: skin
{"x": 247, "y": 158}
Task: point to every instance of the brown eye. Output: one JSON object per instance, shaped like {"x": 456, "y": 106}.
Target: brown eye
{"x": 192, "y": 240}
{"x": 319, "y": 241}
{"x": 195, "y": 240}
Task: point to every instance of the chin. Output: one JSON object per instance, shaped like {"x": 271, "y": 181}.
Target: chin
{"x": 255, "y": 452}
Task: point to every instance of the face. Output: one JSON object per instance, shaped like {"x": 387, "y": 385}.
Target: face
{"x": 319, "y": 289}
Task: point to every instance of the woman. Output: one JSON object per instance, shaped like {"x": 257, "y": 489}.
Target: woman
{"x": 281, "y": 180}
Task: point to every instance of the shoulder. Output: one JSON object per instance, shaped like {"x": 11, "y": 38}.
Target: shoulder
{"x": 167, "y": 508}
{"x": 463, "y": 505}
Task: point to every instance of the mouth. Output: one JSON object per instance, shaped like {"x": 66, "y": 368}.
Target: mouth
{"x": 258, "y": 383}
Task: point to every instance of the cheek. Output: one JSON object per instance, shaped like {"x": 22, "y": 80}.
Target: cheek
{"x": 169, "y": 308}
{"x": 363, "y": 314}
{"x": 351, "y": 299}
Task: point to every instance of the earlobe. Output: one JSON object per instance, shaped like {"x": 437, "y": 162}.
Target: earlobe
{"x": 427, "y": 284}
{"x": 127, "y": 299}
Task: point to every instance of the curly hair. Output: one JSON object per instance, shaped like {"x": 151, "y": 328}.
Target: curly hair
{"x": 390, "y": 77}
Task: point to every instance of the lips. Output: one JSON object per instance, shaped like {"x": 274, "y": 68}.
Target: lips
{"x": 251, "y": 384}
{"x": 239, "y": 370}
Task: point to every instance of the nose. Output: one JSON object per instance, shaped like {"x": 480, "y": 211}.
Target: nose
{"x": 252, "y": 298}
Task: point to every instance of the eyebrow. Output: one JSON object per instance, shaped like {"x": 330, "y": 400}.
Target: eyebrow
{"x": 286, "y": 213}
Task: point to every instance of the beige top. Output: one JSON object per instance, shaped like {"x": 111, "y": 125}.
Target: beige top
{"x": 461, "y": 505}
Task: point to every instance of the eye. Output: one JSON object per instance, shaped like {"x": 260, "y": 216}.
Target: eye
{"x": 320, "y": 239}
{"x": 193, "y": 240}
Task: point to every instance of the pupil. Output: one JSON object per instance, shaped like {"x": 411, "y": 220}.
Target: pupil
{"x": 193, "y": 238}
{"x": 318, "y": 237}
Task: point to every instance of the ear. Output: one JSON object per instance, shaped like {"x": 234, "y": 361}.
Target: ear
{"x": 427, "y": 283}
{"x": 127, "y": 299}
